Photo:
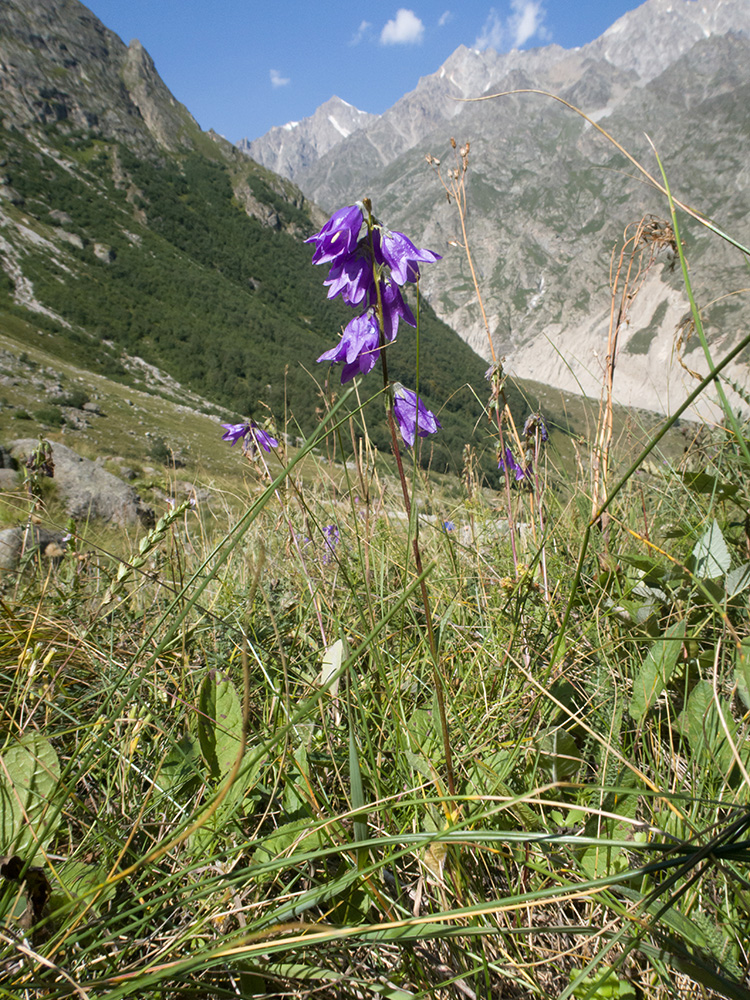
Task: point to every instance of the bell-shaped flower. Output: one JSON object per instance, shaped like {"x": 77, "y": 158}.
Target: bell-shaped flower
{"x": 514, "y": 469}
{"x": 339, "y": 236}
{"x": 251, "y": 436}
{"x": 412, "y": 415}
{"x": 358, "y": 347}
{"x": 400, "y": 254}
{"x": 394, "y": 308}
{"x": 351, "y": 277}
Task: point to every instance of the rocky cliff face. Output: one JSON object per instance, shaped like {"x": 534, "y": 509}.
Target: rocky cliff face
{"x": 59, "y": 64}
{"x": 549, "y": 198}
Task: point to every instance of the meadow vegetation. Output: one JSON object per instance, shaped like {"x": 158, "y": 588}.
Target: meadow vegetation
{"x": 284, "y": 751}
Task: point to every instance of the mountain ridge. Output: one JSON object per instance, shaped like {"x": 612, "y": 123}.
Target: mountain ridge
{"x": 549, "y": 197}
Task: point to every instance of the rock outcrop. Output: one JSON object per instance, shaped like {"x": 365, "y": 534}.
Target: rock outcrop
{"x": 87, "y": 488}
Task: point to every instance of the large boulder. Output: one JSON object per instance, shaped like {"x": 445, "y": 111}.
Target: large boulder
{"x": 15, "y": 542}
{"x": 87, "y": 488}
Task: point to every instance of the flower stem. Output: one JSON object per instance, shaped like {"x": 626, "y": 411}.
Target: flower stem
{"x": 436, "y": 673}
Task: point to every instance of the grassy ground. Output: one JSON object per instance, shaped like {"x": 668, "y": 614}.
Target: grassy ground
{"x": 257, "y": 751}
{"x": 226, "y": 769}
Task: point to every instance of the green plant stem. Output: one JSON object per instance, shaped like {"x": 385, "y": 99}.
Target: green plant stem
{"x": 436, "y": 674}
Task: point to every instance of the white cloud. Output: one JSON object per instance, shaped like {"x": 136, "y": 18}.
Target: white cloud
{"x": 277, "y": 80}
{"x": 445, "y": 18}
{"x": 525, "y": 21}
{"x": 360, "y": 32}
{"x": 405, "y": 29}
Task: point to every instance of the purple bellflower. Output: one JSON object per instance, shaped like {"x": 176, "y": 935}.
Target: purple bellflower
{"x": 234, "y": 433}
{"x": 351, "y": 277}
{"x": 251, "y": 436}
{"x": 412, "y": 415}
{"x": 394, "y": 308}
{"x": 514, "y": 469}
{"x": 358, "y": 347}
{"x": 400, "y": 254}
{"x": 339, "y": 236}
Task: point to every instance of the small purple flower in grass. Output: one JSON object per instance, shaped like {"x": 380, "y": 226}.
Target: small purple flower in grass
{"x": 400, "y": 254}
{"x": 449, "y": 526}
{"x": 358, "y": 347}
{"x": 512, "y": 466}
{"x": 412, "y": 415}
{"x": 251, "y": 436}
{"x": 339, "y": 236}
{"x": 330, "y": 541}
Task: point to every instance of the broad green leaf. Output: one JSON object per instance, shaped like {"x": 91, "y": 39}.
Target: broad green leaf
{"x": 29, "y": 794}
{"x": 602, "y": 985}
{"x": 705, "y": 731}
{"x": 656, "y": 670}
{"x": 219, "y": 724}
{"x": 558, "y": 752}
{"x": 181, "y": 765}
{"x": 77, "y": 883}
{"x": 711, "y": 556}
{"x": 703, "y": 482}
{"x": 297, "y": 835}
{"x": 738, "y": 580}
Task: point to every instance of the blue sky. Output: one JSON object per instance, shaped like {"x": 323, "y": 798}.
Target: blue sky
{"x": 242, "y": 66}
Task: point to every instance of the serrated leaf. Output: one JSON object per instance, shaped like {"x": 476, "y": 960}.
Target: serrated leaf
{"x": 219, "y": 724}
{"x": 29, "y": 794}
{"x": 656, "y": 670}
{"x": 737, "y": 580}
{"x": 711, "y": 556}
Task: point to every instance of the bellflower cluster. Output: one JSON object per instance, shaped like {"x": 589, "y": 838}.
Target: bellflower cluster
{"x": 251, "y": 436}
{"x": 368, "y": 271}
{"x": 330, "y": 541}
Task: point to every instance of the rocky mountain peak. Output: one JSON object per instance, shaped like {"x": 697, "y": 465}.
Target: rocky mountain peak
{"x": 658, "y": 32}
{"x": 165, "y": 118}
{"x": 289, "y": 148}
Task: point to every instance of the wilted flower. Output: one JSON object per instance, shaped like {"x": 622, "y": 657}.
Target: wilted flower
{"x": 339, "y": 236}
{"x": 412, "y": 415}
{"x": 251, "y": 435}
{"x": 358, "y": 347}
{"x": 533, "y": 423}
{"x": 400, "y": 254}
{"x": 331, "y": 540}
{"x": 512, "y": 466}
